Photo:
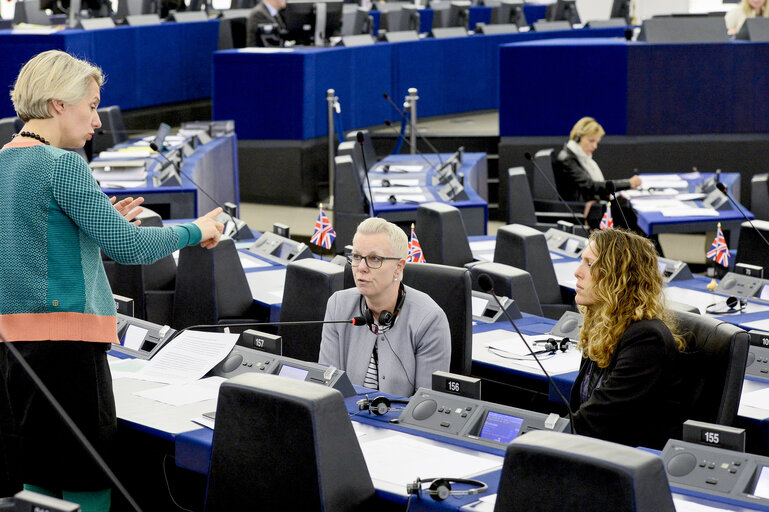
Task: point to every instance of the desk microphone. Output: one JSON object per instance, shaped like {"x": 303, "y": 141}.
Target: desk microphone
{"x": 229, "y": 228}
{"x": 389, "y": 124}
{"x": 70, "y": 424}
{"x": 528, "y": 156}
{"x": 361, "y": 138}
{"x": 720, "y": 186}
{"x": 358, "y": 320}
{"x": 403, "y": 116}
{"x": 487, "y": 285}
{"x": 611, "y": 188}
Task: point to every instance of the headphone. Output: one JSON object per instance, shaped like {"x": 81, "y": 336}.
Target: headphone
{"x": 386, "y": 318}
{"x": 440, "y": 488}
{"x": 380, "y": 405}
{"x": 733, "y": 304}
{"x": 552, "y": 345}
{"x": 393, "y": 200}
{"x": 577, "y": 138}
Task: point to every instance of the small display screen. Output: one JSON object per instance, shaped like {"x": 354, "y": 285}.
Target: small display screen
{"x": 762, "y": 484}
{"x": 285, "y": 250}
{"x": 134, "y": 337}
{"x": 764, "y": 295}
{"x": 293, "y": 372}
{"x": 500, "y": 427}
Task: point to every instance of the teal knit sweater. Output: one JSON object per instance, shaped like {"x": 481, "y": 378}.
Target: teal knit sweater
{"x": 55, "y": 219}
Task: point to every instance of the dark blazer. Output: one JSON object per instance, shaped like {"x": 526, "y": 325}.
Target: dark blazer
{"x": 640, "y": 399}
{"x": 260, "y": 15}
{"x": 574, "y": 182}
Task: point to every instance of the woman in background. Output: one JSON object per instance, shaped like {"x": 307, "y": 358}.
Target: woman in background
{"x": 736, "y": 17}
{"x": 629, "y": 389}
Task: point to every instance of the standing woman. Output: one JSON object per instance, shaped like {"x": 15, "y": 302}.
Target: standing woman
{"x": 56, "y": 305}
{"x": 736, "y": 17}
{"x": 629, "y": 389}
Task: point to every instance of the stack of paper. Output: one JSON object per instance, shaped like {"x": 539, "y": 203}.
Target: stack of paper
{"x": 119, "y": 173}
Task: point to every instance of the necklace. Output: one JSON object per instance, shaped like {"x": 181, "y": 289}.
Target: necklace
{"x": 35, "y": 136}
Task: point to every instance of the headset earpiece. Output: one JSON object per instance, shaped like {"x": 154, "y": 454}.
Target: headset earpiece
{"x": 380, "y": 405}
{"x": 577, "y": 138}
{"x": 733, "y": 305}
{"x": 440, "y": 489}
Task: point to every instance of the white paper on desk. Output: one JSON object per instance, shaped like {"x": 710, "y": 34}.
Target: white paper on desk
{"x": 265, "y": 50}
{"x": 188, "y": 357}
{"x": 418, "y": 458}
{"x": 509, "y": 351}
{"x": 126, "y": 368}
{"x": 761, "y": 325}
{"x": 684, "y": 504}
{"x": 400, "y": 183}
{"x": 654, "y": 205}
{"x": 383, "y": 198}
{"x": 564, "y": 272}
{"x": 122, "y": 184}
{"x": 702, "y": 300}
{"x": 186, "y": 393}
{"x": 252, "y": 261}
{"x": 123, "y": 155}
{"x": 411, "y": 191}
{"x": 483, "y": 245}
{"x": 484, "y": 504}
{"x": 689, "y": 212}
{"x": 400, "y": 168}
{"x": 267, "y": 286}
{"x": 758, "y": 399}
{"x": 690, "y": 197}
{"x": 138, "y": 173}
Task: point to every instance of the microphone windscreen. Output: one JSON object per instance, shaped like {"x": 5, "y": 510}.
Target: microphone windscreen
{"x": 154, "y": 147}
{"x": 359, "y": 320}
{"x": 388, "y": 122}
{"x": 360, "y": 137}
{"x": 720, "y": 186}
{"x": 527, "y": 156}
{"x": 485, "y": 282}
{"x": 610, "y": 188}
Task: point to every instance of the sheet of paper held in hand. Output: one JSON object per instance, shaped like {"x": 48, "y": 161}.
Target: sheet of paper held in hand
{"x": 188, "y": 357}
{"x": 505, "y": 348}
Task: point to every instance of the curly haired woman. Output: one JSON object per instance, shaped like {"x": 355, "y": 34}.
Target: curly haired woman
{"x": 629, "y": 389}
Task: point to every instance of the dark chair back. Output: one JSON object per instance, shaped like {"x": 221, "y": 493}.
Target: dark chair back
{"x": 308, "y": 286}
{"x": 540, "y": 187}
{"x": 284, "y": 444}
{"x": 510, "y": 282}
{"x": 451, "y": 289}
{"x": 526, "y": 248}
{"x": 442, "y": 234}
{"x": 8, "y": 127}
{"x": 759, "y": 195}
{"x": 520, "y": 205}
{"x": 714, "y": 365}
{"x": 211, "y": 286}
{"x": 113, "y": 129}
{"x": 599, "y": 476}
{"x": 751, "y": 248}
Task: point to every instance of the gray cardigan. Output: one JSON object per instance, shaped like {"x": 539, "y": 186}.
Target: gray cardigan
{"x": 420, "y": 338}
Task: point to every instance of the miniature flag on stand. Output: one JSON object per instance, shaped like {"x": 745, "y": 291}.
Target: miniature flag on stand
{"x": 415, "y": 249}
{"x": 606, "y": 221}
{"x": 719, "y": 252}
{"x": 324, "y": 233}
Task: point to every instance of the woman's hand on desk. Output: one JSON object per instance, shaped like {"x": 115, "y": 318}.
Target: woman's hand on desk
{"x": 635, "y": 182}
{"x": 210, "y": 229}
{"x": 128, "y": 207}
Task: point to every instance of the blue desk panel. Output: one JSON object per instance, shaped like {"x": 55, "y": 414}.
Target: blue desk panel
{"x": 145, "y": 66}
{"x": 281, "y": 95}
{"x": 634, "y": 88}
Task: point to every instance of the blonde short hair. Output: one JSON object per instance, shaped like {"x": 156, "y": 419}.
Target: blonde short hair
{"x": 399, "y": 242}
{"x": 748, "y": 10}
{"x": 585, "y": 127}
{"x": 52, "y": 75}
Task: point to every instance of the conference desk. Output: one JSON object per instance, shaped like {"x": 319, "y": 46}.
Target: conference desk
{"x": 474, "y": 169}
{"x": 145, "y": 66}
{"x": 279, "y": 94}
{"x": 633, "y": 88}
{"x": 212, "y": 167}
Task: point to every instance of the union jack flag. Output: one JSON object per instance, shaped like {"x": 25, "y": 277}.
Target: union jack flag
{"x": 415, "y": 249}
{"x": 606, "y": 221}
{"x": 324, "y": 233}
{"x": 719, "y": 252}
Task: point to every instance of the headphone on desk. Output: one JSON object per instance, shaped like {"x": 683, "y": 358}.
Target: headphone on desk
{"x": 386, "y": 318}
{"x": 552, "y": 345}
{"x": 380, "y": 405}
{"x": 733, "y": 305}
{"x": 440, "y": 488}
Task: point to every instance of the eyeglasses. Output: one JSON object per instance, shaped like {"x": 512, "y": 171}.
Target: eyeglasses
{"x": 372, "y": 262}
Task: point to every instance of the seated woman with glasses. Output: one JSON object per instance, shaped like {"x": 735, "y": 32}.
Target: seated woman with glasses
{"x": 408, "y": 336}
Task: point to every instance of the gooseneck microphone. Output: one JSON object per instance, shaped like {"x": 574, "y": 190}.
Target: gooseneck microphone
{"x": 361, "y": 138}
{"x": 528, "y": 156}
{"x": 178, "y": 168}
{"x": 720, "y": 186}
{"x": 70, "y": 423}
{"x": 487, "y": 285}
{"x": 358, "y": 320}
{"x": 611, "y": 188}
{"x": 403, "y": 116}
